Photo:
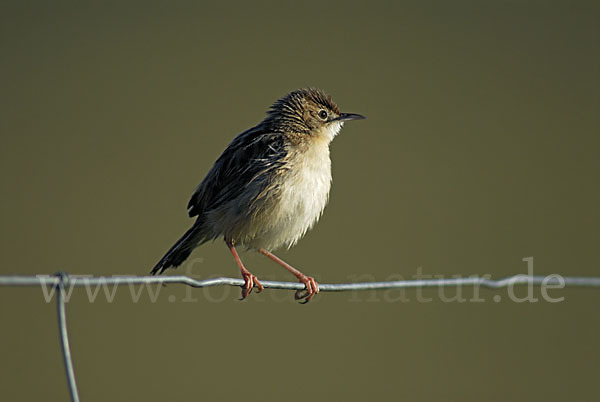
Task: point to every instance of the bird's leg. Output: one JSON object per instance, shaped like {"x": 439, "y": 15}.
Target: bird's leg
{"x": 249, "y": 279}
{"x": 312, "y": 287}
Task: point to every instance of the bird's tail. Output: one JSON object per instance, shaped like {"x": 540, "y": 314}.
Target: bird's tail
{"x": 180, "y": 251}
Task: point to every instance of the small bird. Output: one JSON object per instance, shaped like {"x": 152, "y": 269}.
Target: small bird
{"x": 268, "y": 187}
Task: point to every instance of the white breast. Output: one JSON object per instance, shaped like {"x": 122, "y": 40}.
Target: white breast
{"x": 304, "y": 194}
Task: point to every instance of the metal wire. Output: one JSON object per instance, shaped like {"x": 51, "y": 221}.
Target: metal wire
{"x": 521, "y": 279}
{"x": 61, "y": 280}
{"x": 64, "y": 335}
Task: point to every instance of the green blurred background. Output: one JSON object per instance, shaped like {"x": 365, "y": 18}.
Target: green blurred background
{"x": 481, "y": 149}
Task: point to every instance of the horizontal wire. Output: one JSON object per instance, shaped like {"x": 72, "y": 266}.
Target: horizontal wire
{"x": 520, "y": 279}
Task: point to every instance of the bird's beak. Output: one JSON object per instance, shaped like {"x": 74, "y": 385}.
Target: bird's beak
{"x": 350, "y": 116}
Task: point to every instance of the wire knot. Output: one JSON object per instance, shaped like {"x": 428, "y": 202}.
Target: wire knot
{"x": 63, "y": 280}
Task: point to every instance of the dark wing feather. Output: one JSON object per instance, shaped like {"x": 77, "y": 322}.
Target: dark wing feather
{"x": 250, "y": 155}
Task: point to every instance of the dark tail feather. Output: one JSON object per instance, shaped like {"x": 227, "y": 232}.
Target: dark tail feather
{"x": 180, "y": 251}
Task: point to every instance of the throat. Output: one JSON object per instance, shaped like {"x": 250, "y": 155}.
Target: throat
{"x": 331, "y": 130}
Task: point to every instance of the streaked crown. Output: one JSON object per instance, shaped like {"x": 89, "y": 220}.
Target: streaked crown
{"x": 307, "y": 111}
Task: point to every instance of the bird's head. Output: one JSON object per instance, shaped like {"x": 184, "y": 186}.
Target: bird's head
{"x": 308, "y": 112}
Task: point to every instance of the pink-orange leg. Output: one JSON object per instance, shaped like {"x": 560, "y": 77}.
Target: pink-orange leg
{"x": 312, "y": 287}
{"x": 249, "y": 279}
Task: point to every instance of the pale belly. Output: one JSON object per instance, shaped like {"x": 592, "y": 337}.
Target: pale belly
{"x": 304, "y": 194}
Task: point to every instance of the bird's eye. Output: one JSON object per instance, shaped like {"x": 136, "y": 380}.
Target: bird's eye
{"x": 323, "y": 115}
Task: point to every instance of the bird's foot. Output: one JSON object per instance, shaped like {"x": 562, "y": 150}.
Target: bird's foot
{"x": 249, "y": 282}
{"x": 312, "y": 288}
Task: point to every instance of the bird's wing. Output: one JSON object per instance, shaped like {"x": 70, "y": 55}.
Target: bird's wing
{"x": 246, "y": 160}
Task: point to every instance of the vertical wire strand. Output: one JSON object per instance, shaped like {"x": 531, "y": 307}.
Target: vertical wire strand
{"x": 64, "y": 337}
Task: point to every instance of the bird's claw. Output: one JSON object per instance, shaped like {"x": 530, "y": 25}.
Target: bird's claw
{"x": 249, "y": 282}
{"x": 306, "y": 295}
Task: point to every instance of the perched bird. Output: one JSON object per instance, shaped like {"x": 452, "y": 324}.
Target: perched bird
{"x": 269, "y": 187}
